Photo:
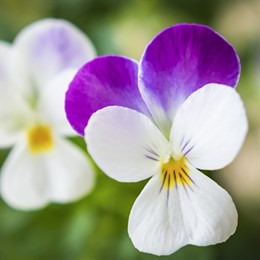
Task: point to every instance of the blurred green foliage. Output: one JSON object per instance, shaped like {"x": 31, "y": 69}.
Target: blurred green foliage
{"x": 96, "y": 227}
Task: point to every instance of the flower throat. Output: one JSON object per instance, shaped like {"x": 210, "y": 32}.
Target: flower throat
{"x": 174, "y": 173}
{"x": 40, "y": 139}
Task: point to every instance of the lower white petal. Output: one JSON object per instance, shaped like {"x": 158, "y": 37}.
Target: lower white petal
{"x": 209, "y": 212}
{"x": 201, "y": 213}
{"x": 124, "y": 143}
{"x": 23, "y": 180}
{"x": 155, "y": 225}
{"x": 30, "y": 181}
{"x": 69, "y": 171}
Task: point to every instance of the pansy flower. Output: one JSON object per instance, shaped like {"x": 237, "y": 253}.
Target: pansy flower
{"x": 35, "y": 72}
{"x": 168, "y": 116}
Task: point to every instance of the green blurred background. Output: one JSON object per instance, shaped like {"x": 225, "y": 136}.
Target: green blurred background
{"x": 96, "y": 226}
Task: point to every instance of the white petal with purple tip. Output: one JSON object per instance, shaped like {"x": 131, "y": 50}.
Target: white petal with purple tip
{"x": 50, "y": 46}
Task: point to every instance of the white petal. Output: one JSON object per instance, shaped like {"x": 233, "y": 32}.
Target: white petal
{"x": 23, "y": 179}
{"x": 30, "y": 181}
{"x": 49, "y": 46}
{"x": 15, "y": 115}
{"x": 52, "y": 102}
{"x": 162, "y": 222}
{"x": 14, "y": 112}
{"x": 210, "y": 127}
{"x": 5, "y": 70}
{"x": 10, "y": 74}
{"x": 125, "y": 144}
{"x": 69, "y": 171}
{"x": 155, "y": 227}
{"x": 209, "y": 213}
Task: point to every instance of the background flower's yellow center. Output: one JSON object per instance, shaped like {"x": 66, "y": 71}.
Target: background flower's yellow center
{"x": 40, "y": 139}
{"x": 175, "y": 172}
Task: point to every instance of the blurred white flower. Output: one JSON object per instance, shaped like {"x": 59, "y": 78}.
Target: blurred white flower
{"x": 35, "y": 72}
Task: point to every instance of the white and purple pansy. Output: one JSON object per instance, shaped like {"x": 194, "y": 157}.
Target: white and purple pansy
{"x": 35, "y": 72}
{"x": 173, "y": 113}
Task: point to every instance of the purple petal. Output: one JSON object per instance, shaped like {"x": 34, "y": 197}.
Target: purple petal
{"x": 180, "y": 60}
{"x": 104, "y": 81}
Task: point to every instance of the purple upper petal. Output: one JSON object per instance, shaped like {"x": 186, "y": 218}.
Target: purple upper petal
{"x": 104, "y": 81}
{"x": 180, "y": 60}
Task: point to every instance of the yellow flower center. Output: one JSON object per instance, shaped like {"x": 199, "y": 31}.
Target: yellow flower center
{"x": 40, "y": 139}
{"x": 175, "y": 172}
